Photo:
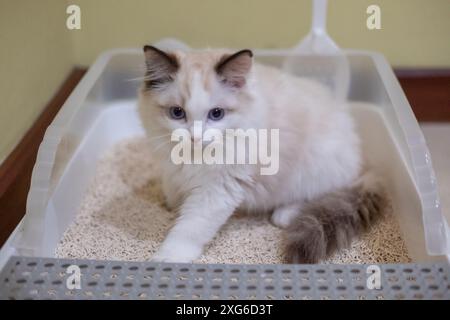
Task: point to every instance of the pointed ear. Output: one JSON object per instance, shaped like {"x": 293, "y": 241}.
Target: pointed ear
{"x": 233, "y": 69}
{"x": 161, "y": 67}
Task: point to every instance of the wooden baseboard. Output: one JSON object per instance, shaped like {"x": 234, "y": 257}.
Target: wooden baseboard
{"x": 428, "y": 92}
{"x": 15, "y": 171}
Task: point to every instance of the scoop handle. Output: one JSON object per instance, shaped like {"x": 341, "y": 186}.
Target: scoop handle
{"x": 319, "y": 17}
{"x": 171, "y": 44}
{"x": 318, "y": 41}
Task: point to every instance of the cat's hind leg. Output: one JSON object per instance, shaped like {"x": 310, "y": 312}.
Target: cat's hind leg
{"x": 282, "y": 216}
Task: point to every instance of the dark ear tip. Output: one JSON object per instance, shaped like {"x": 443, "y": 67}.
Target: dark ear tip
{"x": 249, "y": 52}
{"x": 147, "y": 48}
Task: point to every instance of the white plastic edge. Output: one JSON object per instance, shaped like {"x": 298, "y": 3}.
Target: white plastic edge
{"x": 435, "y": 225}
{"x": 38, "y": 195}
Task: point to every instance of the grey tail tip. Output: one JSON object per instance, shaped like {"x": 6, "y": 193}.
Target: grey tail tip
{"x": 330, "y": 222}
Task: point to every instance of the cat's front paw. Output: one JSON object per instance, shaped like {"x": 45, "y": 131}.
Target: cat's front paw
{"x": 158, "y": 257}
{"x": 180, "y": 254}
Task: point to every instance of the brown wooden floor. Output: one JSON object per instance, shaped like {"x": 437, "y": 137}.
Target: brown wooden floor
{"x": 428, "y": 92}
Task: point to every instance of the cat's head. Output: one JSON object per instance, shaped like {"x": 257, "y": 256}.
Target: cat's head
{"x": 214, "y": 87}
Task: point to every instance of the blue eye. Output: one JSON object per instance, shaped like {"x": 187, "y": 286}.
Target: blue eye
{"x": 216, "y": 114}
{"x": 177, "y": 113}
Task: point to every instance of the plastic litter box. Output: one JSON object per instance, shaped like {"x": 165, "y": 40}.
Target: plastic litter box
{"x": 102, "y": 110}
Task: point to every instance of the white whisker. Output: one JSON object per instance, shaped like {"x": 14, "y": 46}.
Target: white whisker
{"x": 161, "y": 145}
{"x": 160, "y": 137}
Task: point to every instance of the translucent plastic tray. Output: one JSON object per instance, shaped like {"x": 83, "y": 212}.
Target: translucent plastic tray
{"x": 102, "y": 110}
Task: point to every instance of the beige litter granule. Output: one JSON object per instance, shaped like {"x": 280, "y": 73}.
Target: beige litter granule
{"x": 122, "y": 217}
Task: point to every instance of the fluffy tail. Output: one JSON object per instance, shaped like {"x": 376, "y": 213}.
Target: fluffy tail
{"x": 332, "y": 221}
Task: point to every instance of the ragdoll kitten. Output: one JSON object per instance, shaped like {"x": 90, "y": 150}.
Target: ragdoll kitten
{"x": 318, "y": 194}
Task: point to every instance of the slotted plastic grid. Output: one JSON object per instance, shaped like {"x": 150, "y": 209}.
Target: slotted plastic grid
{"x": 45, "y": 278}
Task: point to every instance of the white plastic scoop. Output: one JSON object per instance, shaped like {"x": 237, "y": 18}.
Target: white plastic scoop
{"x": 171, "y": 44}
{"x": 317, "y": 56}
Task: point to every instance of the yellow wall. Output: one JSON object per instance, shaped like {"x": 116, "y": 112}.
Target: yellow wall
{"x": 37, "y": 51}
{"x": 414, "y": 32}
{"x": 35, "y": 57}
